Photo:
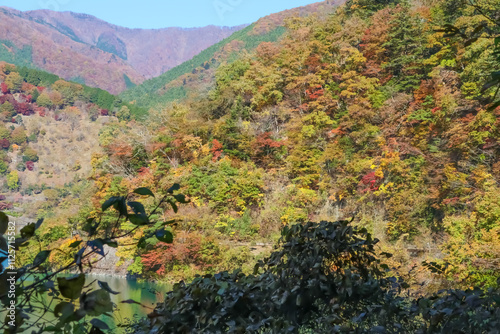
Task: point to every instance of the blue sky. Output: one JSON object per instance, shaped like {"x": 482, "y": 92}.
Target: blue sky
{"x": 166, "y": 13}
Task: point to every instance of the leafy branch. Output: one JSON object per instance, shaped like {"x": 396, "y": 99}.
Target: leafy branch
{"x": 42, "y": 293}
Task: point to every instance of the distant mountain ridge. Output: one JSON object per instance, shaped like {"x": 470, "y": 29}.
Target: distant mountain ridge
{"x": 197, "y": 74}
{"x": 84, "y": 48}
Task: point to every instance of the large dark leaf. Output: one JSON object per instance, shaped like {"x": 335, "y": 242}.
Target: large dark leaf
{"x": 99, "y": 324}
{"x": 174, "y": 188}
{"x": 121, "y": 207}
{"x": 174, "y": 206}
{"x": 71, "y": 287}
{"x": 164, "y": 236}
{"x": 4, "y": 223}
{"x": 3, "y": 244}
{"x": 97, "y": 245}
{"x": 138, "y": 208}
{"x": 75, "y": 244}
{"x": 97, "y": 303}
{"x": 38, "y": 223}
{"x": 142, "y": 243}
{"x": 110, "y": 202}
{"x": 28, "y": 231}
{"x": 40, "y": 258}
{"x": 63, "y": 311}
{"x": 181, "y": 199}
{"x": 144, "y": 192}
{"x": 105, "y": 286}
{"x": 138, "y": 220}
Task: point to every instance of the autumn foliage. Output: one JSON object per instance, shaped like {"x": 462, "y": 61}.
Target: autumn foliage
{"x": 3, "y": 88}
{"x": 184, "y": 251}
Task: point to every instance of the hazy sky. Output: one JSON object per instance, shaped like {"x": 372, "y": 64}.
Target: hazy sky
{"x": 167, "y": 13}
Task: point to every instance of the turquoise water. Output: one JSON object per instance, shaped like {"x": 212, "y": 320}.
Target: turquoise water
{"x": 146, "y": 293}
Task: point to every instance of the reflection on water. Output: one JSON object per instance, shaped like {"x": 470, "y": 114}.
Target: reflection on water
{"x": 147, "y": 293}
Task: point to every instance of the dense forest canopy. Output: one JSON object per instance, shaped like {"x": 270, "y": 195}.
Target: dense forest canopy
{"x": 385, "y": 113}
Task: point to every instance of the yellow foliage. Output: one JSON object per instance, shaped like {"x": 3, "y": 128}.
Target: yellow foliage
{"x": 62, "y": 255}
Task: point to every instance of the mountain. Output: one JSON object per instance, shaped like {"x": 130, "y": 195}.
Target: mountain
{"x": 85, "y": 49}
{"x": 367, "y": 118}
{"x": 364, "y": 111}
{"x": 198, "y": 73}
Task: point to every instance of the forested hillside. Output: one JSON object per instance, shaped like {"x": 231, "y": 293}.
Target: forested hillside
{"x": 49, "y": 132}
{"x": 194, "y": 77}
{"x": 381, "y": 116}
{"x": 370, "y": 113}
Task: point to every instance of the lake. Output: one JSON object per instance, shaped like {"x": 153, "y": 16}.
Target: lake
{"x": 147, "y": 293}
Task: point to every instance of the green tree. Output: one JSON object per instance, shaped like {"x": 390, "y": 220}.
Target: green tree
{"x": 7, "y": 109}
{"x": 70, "y": 92}
{"x": 35, "y": 93}
{"x": 4, "y": 132}
{"x": 14, "y": 81}
{"x": 13, "y": 180}
{"x": 19, "y": 135}
{"x": 4, "y": 167}
{"x": 44, "y": 100}
{"x": 123, "y": 114}
{"x": 406, "y": 48}
{"x": 30, "y": 155}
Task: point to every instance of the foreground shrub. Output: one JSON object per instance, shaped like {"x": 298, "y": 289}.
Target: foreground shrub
{"x": 323, "y": 278}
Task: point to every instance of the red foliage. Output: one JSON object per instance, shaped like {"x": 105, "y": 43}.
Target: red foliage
{"x": 313, "y": 63}
{"x": 490, "y": 143}
{"x": 216, "y": 150}
{"x": 5, "y": 98}
{"x": 30, "y": 165}
{"x": 372, "y": 181}
{"x": 120, "y": 149}
{"x": 120, "y": 153}
{"x": 372, "y": 69}
{"x": 143, "y": 171}
{"x": 315, "y": 92}
{"x": 265, "y": 141}
{"x": 104, "y": 112}
{"x": 451, "y": 201}
{"x": 40, "y": 89}
{"x": 4, "y": 88}
{"x": 13, "y": 120}
{"x": 41, "y": 111}
{"x": 4, "y": 143}
{"x": 336, "y": 132}
{"x": 177, "y": 143}
{"x": 185, "y": 250}
{"x": 6, "y": 206}
{"x": 23, "y": 108}
{"x": 265, "y": 145}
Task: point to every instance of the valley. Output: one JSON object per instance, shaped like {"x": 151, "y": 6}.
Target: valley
{"x": 336, "y": 165}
